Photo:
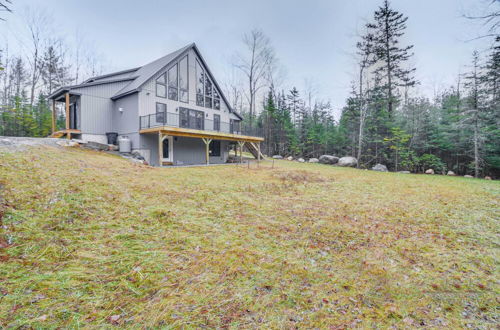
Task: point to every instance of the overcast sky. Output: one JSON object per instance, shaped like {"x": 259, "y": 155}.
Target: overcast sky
{"x": 313, "y": 39}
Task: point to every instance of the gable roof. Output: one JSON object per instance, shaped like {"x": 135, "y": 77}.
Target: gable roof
{"x": 146, "y": 72}
{"x": 139, "y": 76}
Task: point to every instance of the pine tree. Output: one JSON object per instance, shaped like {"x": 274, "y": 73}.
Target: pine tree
{"x": 387, "y": 29}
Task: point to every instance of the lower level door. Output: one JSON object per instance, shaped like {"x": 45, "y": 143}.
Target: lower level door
{"x": 167, "y": 149}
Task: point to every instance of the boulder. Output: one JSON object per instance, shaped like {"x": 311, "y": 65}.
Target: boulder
{"x": 404, "y": 172}
{"x": 468, "y": 176}
{"x": 301, "y": 160}
{"x": 137, "y": 155}
{"x": 277, "y": 157}
{"x": 112, "y": 147}
{"x": 450, "y": 173}
{"x": 380, "y": 168}
{"x": 97, "y": 146}
{"x": 328, "y": 159}
{"x": 487, "y": 177}
{"x": 66, "y": 143}
{"x": 79, "y": 141}
{"x": 289, "y": 158}
{"x": 313, "y": 160}
{"x": 347, "y": 162}
{"x": 429, "y": 171}
{"x": 6, "y": 142}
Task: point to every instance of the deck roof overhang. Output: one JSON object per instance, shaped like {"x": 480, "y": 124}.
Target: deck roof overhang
{"x": 194, "y": 133}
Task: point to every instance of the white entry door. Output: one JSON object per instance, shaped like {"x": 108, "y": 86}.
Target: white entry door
{"x": 168, "y": 148}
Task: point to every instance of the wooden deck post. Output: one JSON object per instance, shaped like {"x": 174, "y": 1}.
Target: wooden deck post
{"x": 241, "y": 144}
{"x": 207, "y": 152}
{"x": 68, "y": 134}
{"x": 53, "y": 115}
{"x": 258, "y": 152}
{"x": 160, "y": 149}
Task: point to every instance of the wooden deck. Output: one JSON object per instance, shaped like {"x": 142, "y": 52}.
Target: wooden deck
{"x": 194, "y": 133}
{"x": 66, "y": 132}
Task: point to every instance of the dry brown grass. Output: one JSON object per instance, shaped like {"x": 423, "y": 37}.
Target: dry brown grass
{"x": 88, "y": 239}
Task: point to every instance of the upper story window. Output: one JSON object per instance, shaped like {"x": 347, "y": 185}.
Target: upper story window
{"x": 200, "y": 83}
{"x": 216, "y": 99}
{"x": 174, "y": 83}
{"x": 183, "y": 80}
{"x": 206, "y": 93}
{"x": 161, "y": 86}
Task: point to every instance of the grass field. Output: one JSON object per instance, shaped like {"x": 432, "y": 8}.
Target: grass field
{"x": 90, "y": 240}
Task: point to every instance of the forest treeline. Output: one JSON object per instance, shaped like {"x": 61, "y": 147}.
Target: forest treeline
{"x": 42, "y": 63}
{"x": 381, "y": 122}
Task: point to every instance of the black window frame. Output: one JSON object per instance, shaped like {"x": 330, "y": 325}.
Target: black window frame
{"x": 190, "y": 118}
{"x": 165, "y": 85}
{"x": 214, "y": 148}
{"x": 173, "y": 90}
{"x": 216, "y": 122}
{"x": 186, "y": 91}
{"x": 164, "y": 113}
{"x": 200, "y": 97}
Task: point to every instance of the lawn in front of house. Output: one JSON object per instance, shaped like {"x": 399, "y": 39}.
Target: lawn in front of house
{"x": 89, "y": 239}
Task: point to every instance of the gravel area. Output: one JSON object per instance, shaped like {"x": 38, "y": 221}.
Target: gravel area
{"x": 14, "y": 143}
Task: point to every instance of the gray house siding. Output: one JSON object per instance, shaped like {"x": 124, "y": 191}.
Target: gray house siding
{"x": 105, "y": 104}
{"x": 189, "y": 151}
{"x": 148, "y": 98}
{"x": 96, "y": 107}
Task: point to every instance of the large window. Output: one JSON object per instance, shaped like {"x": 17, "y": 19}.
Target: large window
{"x": 173, "y": 83}
{"x": 206, "y": 93}
{"x": 214, "y": 148}
{"x": 183, "y": 80}
{"x": 189, "y": 118}
{"x": 234, "y": 126}
{"x": 161, "y": 113}
{"x": 200, "y": 83}
{"x": 216, "y": 122}
{"x": 216, "y": 99}
{"x": 161, "y": 86}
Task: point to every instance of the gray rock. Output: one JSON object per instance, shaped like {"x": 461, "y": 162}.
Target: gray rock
{"x": 277, "y": 157}
{"x": 429, "y": 171}
{"x": 487, "y": 177}
{"x": 289, "y": 158}
{"x": 66, "y": 143}
{"x": 301, "y": 160}
{"x": 380, "y": 168}
{"x": 450, "y": 173}
{"x": 313, "y": 160}
{"x": 328, "y": 159}
{"x": 347, "y": 161}
{"x": 468, "y": 176}
{"x": 5, "y": 142}
{"x": 79, "y": 141}
{"x": 96, "y": 145}
{"x": 404, "y": 172}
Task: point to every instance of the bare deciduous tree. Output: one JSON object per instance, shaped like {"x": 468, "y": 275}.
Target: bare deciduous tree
{"x": 5, "y": 6}
{"x": 255, "y": 64}
{"x": 38, "y": 23}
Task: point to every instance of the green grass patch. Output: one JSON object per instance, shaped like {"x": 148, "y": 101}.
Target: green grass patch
{"x": 90, "y": 240}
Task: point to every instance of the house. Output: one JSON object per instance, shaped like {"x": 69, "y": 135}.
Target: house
{"x": 172, "y": 110}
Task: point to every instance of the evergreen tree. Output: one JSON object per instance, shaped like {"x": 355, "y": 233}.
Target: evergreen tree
{"x": 387, "y": 29}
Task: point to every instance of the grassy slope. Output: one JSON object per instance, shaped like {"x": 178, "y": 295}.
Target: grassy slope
{"x": 299, "y": 245}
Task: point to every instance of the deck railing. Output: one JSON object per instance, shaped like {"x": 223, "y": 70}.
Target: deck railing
{"x": 204, "y": 124}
